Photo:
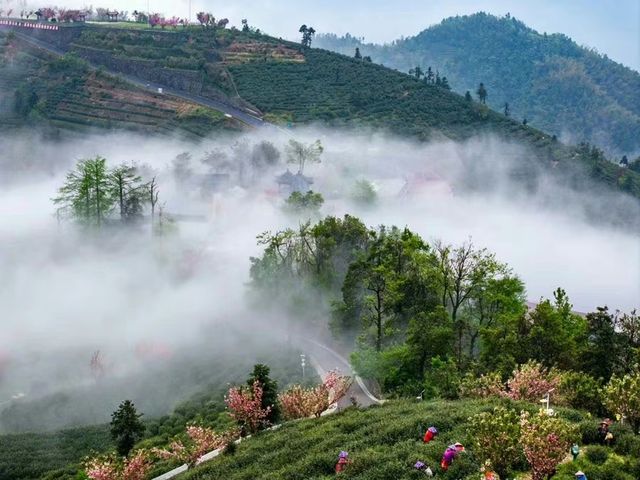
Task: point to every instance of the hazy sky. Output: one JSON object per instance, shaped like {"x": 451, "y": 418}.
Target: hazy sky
{"x": 611, "y": 26}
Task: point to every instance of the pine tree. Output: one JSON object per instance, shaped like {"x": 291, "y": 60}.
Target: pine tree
{"x": 358, "y": 55}
{"x": 467, "y": 96}
{"x": 126, "y": 427}
{"x": 269, "y": 390}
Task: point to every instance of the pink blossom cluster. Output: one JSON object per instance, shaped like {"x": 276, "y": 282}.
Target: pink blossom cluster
{"x": 531, "y": 381}
{"x": 135, "y": 467}
{"x": 201, "y": 440}
{"x": 245, "y": 406}
{"x": 545, "y": 441}
{"x": 299, "y": 402}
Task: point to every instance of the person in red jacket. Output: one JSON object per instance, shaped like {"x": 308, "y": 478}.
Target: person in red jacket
{"x": 343, "y": 461}
{"x": 430, "y": 434}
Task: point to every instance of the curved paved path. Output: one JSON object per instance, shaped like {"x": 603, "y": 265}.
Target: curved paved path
{"x": 228, "y": 110}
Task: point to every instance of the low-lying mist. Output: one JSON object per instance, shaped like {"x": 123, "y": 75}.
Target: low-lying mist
{"x": 143, "y": 301}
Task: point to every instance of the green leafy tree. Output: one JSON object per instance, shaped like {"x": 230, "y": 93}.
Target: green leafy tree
{"x": 553, "y": 335}
{"x": 462, "y": 274}
{"x": 126, "y": 187}
{"x": 302, "y": 154}
{"x": 496, "y": 437}
{"x": 364, "y": 193}
{"x": 85, "y": 195}
{"x": 357, "y": 55}
{"x": 304, "y": 203}
{"x": 622, "y": 397}
{"x": 416, "y": 72}
{"x": 269, "y": 391}
{"x": 606, "y": 347}
{"x": 482, "y": 93}
{"x": 126, "y": 427}
{"x": 429, "y": 335}
{"x": 307, "y": 35}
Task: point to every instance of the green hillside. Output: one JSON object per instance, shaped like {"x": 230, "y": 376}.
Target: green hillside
{"x": 292, "y": 85}
{"x": 384, "y": 443}
{"x": 557, "y": 85}
{"x": 63, "y": 93}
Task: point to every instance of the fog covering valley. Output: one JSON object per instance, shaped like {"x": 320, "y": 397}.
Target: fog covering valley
{"x": 162, "y": 310}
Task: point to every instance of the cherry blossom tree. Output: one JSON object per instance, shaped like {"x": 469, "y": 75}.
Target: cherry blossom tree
{"x": 546, "y": 441}
{"x": 201, "y": 440}
{"x": 245, "y": 406}
{"x": 531, "y": 381}
{"x": 135, "y": 467}
{"x": 299, "y": 402}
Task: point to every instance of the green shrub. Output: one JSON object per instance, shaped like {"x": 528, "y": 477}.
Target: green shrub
{"x": 627, "y": 444}
{"x": 588, "y": 432}
{"x": 597, "y": 454}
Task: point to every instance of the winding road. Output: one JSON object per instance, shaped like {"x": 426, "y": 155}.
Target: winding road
{"x": 324, "y": 359}
{"x": 226, "y": 109}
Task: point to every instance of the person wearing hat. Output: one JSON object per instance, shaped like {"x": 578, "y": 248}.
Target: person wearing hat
{"x": 423, "y": 468}
{"x": 603, "y": 429}
{"x": 449, "y": 454}
{"x": 430, "y": 434}
{"x": 580, "y": 475}
{"x": 343, "y": 461}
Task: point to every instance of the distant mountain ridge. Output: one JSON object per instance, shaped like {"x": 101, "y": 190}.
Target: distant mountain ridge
{"x": 557, "y": 85}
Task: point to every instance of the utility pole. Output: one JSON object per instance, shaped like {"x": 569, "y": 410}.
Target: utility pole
{"x": 303, "y": 362}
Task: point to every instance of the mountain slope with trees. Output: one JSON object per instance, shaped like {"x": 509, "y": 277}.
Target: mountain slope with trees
{"x": 558, "y": 86}
{"x": 294, "y": 84}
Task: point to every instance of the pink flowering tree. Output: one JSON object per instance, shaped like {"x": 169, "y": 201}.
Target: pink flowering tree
{"x": 135, "y": 467}
{"x": 47, "y": 13}
{"x": 155, "y": 19}
{"x": 546, "y": 441}
{"x": 531, "y": 381}
{"x": 201, "y": 440}
{"x": 299, "y": 402}
{"x": 245, "y": 406}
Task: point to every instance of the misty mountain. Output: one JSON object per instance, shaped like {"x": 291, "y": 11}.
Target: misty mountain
{"x": 283, "y": 82}
{"x": 558, "y": 86}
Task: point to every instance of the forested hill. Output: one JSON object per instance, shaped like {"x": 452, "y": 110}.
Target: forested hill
{"x": 557, "y": 85}
{"x": 287, "y": 84}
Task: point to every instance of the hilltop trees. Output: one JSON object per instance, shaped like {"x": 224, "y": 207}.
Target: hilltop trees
{"x": 416, "y": 72}
{"x": 307, "y": 35}
{"x": 126, "y": 427}
{"x": 482, "y": 93}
